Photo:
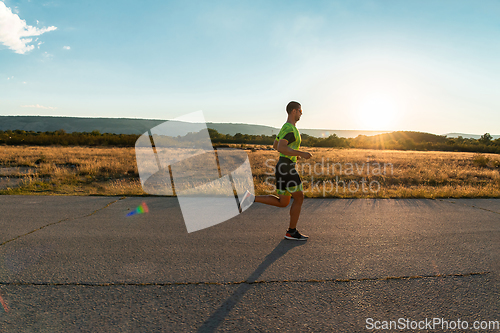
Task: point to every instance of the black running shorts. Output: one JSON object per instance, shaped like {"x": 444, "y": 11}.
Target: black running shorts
{"x": 287, "y": 177}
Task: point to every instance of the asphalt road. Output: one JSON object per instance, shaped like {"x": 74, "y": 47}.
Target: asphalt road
{"x": 79, "y": 264}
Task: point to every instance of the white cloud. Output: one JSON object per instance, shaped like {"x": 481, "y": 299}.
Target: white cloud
{"x": 47, "y": 55}
{"x": 13, "y": 31}
{"x": 39, "y": 107}
{"x": 66, "y": 47}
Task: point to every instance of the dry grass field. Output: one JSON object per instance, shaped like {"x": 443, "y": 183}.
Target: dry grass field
{"x": 341, "y": 173}
{"x": 359, "y": 173}
{"x": 70, "y": 170}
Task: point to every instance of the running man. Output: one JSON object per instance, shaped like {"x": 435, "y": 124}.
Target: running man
{"x": 288, "y": 182}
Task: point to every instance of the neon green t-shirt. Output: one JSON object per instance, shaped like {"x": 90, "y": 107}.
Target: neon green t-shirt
{"x": 292, "y": 135}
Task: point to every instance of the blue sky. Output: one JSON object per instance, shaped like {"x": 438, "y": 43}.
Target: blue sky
{"x": 428, "y": 66}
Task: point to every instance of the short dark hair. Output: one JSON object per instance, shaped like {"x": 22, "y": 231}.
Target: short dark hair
{"x": 292, "y": 106}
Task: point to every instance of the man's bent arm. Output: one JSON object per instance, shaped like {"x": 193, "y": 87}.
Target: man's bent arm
{"x": 285, "y": 150}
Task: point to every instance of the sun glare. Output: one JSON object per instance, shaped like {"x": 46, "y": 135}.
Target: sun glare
{"x": 377, "y": 112}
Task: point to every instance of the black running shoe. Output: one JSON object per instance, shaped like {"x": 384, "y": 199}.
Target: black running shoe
{"x": 295, "y": 236}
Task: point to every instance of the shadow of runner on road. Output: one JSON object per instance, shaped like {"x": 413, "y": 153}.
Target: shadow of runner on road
{"x": 218, "y": 316}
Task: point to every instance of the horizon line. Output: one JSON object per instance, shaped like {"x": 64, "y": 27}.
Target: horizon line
{"x": 236, "y": 123}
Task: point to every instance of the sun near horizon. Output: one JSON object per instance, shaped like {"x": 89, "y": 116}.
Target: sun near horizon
{"x": 376, "y": 111}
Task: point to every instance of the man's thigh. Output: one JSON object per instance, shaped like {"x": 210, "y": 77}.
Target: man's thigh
{"x": 285, "y": 198}
{"x": 298, "y": 195}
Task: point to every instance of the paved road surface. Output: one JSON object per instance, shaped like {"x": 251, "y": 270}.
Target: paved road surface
{"x": 78, "y": 264}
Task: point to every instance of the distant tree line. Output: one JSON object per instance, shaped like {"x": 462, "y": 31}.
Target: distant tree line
{"x": 392, "y": 141}
{"x": 425, "y": 141}
{"x": 61, "y": 138}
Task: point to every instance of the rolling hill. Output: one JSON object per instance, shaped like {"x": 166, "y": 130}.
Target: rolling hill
{"x": 139, "y": 126}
